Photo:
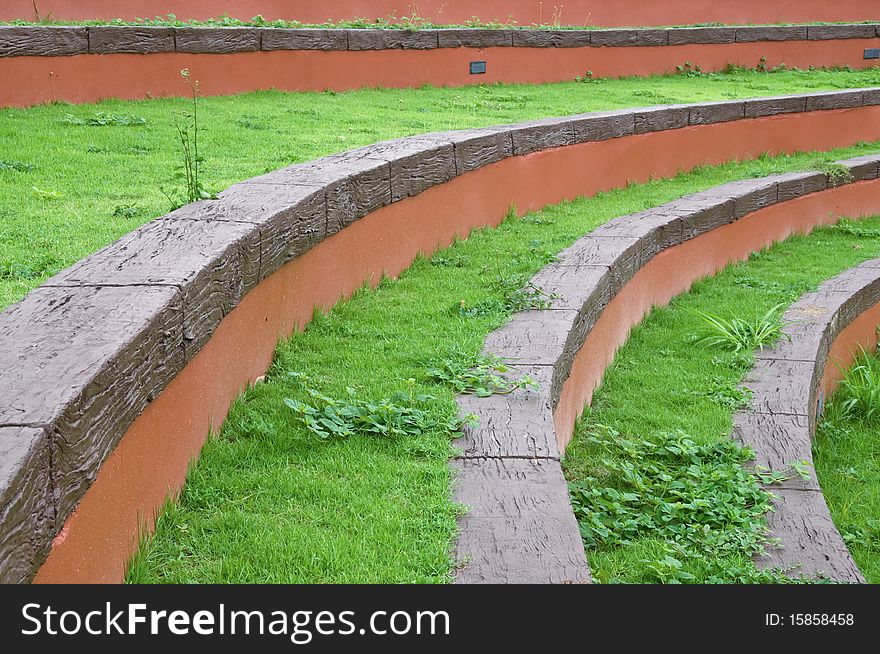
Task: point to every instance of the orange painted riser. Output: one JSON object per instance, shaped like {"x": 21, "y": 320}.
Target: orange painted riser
{"x": 88, "y": 78}
{"x": 860, "y": 334}
{"x": 150, "y": 461}
{"x": 674, "y": 271}
{"x": 524, "y": 12}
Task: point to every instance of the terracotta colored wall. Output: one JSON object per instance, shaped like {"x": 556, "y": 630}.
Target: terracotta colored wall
{"x": 87, "y": 78}
{"x": 524, "y": 12}
{"x": 860, "y": 334}
{"x": 150, "y": 462}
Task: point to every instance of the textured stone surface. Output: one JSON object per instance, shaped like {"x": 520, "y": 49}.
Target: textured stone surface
{"x": 750, "y": 195}
{"x": 864, "y": 167}
{"x": 541, "y": 134}
{"x": 552, "y": 38}
{"x": 354, "y": 183}
{"x": 654, "y": 230}
{"x": 57, "y": 41}
{"x": 827, "y": 32}
{"x": 624, "y": 255}
{"x": 291, "y": 219}
{"x": 394, "y": 39}
{"x": 681, "y": 36}
{"x": 217, "y": 40}
{"x": 778, "y": 441}
{"x": 471, "y": 38}
{"x": 716, "y": 112}
{"x": 43, "y": 41}
{"x": 771, "y": 33}
{"x": 812, "y": 546}
{"x": 212, "y": 263}
{"x": 774, "y": 106}
{"x": 476, "y": 148}
{"x": 582, "y": 282}
{"x": 603, "y": 125}
{"x": 532, "y": 337}
{"x": 574, "y": 286}
{"x": 661, "y": 118}
{"x": 135, "y": 40}
{"x": 792, "y": 185}
{"x": 702, "y": 212}
{"x": 27, "y": 503}
{"x": 628, "y": 38}
{"x": 518, "y": 424}
{"x": 520, "y": 528}
{"x": 85, "y": 385}
{"x": 835, "y": 100}
{"x": 304, "y": 39}
{"x": 781, "y": 386}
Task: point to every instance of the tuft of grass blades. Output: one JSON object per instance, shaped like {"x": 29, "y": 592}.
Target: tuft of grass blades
{"x": 858, "y": 396}
{"x": 738, "y": 334}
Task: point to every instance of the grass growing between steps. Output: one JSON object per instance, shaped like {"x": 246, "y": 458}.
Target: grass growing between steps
{"x": 846, "y": 452}
{"x": 270, "y": 501}
{"x": 412, "y": 23}
{"x": 663, "y": 384}
{"x": 68, "y": 187}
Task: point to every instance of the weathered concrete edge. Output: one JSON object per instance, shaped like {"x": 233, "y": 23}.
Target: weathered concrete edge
{"x": 543, "y": 344}
{"x": 57, "y": 41}
{"x": 780, "y": 423}
{"x": 187, "y": 270}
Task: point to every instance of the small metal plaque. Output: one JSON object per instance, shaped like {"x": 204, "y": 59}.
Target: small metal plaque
{"x": 478, "y": 68}
{"x": 870, "y": 53}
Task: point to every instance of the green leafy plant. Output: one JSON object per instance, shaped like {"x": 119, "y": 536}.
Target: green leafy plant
{"x": 481, "y": 376}
{"x": 724, "y": 394}
{"x": 450, "y": 260}
{"x": 45, "y": 193}
{"x": 126, "y": 211}
{"x": 698, "y": 501}
{"x": 738, "y": 334}
{"x": 852, "y": 228}
{"x": 689, "y": 70}
{"x": 16, "y": 166}
{"x": 837, "y": 173}
{"x": 402, "y": 414}
{"x": 587, "y": 77}
{"x": 516, "y": 296}
{"x": 104, "y": 120}
{"x": 187, "y": 127}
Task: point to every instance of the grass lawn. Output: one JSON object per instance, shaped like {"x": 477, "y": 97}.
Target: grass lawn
{"x": 270, "y": 501}
{"x": 67, "y": 189}
{"x": 409, "y": 23}
{"x": 662, "y": 385}
{"x": 847, "y": 456}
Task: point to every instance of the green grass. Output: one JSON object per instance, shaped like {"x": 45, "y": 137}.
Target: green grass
{"x": 270, "y": 501}
{"x": 662, "y": 382}
{"x": 846, "y": 452}
{"x": 409, "y": 23}
{"x": 67, "y": 189}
